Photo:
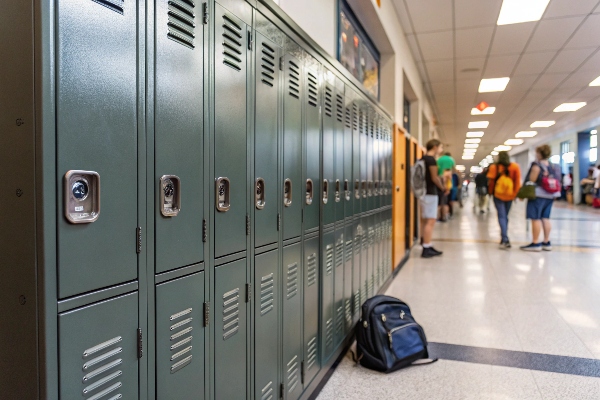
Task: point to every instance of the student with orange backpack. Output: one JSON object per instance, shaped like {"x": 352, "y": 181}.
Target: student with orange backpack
{"x": 504, "y": 184}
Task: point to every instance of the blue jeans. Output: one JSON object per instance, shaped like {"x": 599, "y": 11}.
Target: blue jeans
{"x": 503, "y": 208}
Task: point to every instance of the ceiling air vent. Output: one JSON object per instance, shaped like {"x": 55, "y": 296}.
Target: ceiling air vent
{"x": 181, "y": 23}
{"x": 114, "y": 5}
{"x": 232, "y": 43}
{"x": 312, "y": 89}
{"x": 294, "y": 80}
{"x": 267, "y": 65}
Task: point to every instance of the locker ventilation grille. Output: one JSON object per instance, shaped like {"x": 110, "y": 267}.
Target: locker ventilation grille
{"x": 312, "y": 89}
{"x": 348, "y": 251}
{"x": 114, "y": 5}
{"x": 232, "y": 43}
{"x": 328, "y": 102}
{"x": 293, "y": 374}
{"x": 348, "y": 312}
{"x": 356, "y": 301}
{"x": 231, "y": 312}
{"x": 348, "y": 118}
{"x": 101, "y": 373}
{"x": 339, "y": 102}
{"x": 329, "y": 259}
{"x": 311, "y": 272}
{"x": 292, "y": 280}
{"x": 355, "y": 116}
{"x": 181, "y": 339}
{"x": 180, "y": 24}
{"x": 339, "y": 253}
{"x": 312, "y": 353}
{"x": 294, "y": 80}
{"x": 267, "y": 75}
{"x": 329, "y": 333}
{"x": 339, "y": 320}
{"x": 266, "y": 294}
{"x": 267, "y": 392}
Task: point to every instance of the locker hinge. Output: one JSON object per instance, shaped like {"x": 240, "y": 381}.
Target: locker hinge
{"x": 278, "y": 221}
{"x": 281, "y": 63}
{"x": 302, "y": 372}
{"x": 140, "y": 345}
{"x": 250, "y": 41}
{"x": 281, "y": 391}
{"x": 205, "y": 13}
{"x": 248, "y": 292}
{"x": 247, "y": 225}
{"x": 138, "y": 235}
{"x": 206, "y": 313}
{"x": 204, "y": 234}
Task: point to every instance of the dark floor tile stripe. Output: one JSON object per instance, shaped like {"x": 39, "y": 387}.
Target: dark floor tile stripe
{"x": 516, "y": 359}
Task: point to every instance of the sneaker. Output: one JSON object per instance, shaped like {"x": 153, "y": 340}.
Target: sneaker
{"x": 547, "y": 246}
{"x": 532, "y": 247}
{"x": 428, "y": 253}
{"x": 436, "y": 252}
{"x": 505, "y": 245}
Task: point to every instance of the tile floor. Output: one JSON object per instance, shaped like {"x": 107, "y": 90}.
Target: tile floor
{"x": 478, "y": 295}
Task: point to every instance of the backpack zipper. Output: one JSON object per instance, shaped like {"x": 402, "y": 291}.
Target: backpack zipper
{"x": 397, "y": 329}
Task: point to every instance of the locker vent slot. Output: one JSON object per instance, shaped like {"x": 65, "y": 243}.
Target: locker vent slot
{"x": 267, "y": 75}
{"x": 266, "y": 294}
{"x": 356, "y": 301}
{"x": 348, "y": 312}
{"x": 339, "y": 319}
{"x": 312, "y": 89}
{"x": 181, "y": 339}
{"x": 329, "y": 259}
{"x": 267, "y": 392}
{"x": 294, "y": 80}
{"x": 293, "y": 374}
{"x": 312, "y": 353}
{"x": 371, "y": 284}
{"x": 231, "y": 312}
{"x": 311, "y": 272}
{"x": 348, "y": 251}
{"x": 339, "y": 99}
{"x": 114, "y": 5}
{"x": 232, "y": 43}
{"x": 328, "y": 102}
{"x": 292, "y": 280}
{"x": 355, "y": 116}
{"x": 180, "y": 23}
{"x": 101, "y": 368}
{"x": 348, "y": 121}
{"x": 339, "y": 253}
{"x": 329, "y": 332}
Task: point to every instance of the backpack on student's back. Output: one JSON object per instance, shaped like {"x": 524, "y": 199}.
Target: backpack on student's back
{"x": 418, "y": 179}
{"x": 548, "y": 179}
{"x": 387, "y": 336}
{"x": 504, "y": 185}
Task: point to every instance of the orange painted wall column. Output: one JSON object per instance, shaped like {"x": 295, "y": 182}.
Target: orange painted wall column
{"x": 399, "y": 218}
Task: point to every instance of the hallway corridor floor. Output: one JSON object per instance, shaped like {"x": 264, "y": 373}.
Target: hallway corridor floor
{"x": 505, "y": 324}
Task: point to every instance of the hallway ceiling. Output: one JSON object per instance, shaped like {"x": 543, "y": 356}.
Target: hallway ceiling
{"x": 456, "y": 43}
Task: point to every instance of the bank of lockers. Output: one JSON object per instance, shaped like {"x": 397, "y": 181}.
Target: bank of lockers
{"x": 222, "y": 203}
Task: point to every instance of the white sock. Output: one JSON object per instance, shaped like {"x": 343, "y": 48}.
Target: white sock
{"x": 426, "y": 245}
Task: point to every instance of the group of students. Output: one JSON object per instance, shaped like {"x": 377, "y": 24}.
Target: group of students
{"x": 502, "y": 181}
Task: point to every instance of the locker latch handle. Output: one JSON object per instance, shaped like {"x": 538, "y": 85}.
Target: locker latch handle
{"x": 337, "y": 191}
{"x": 170, "y": 195}
{"x": 259, "y": 194}
{"x": 370, "y": 188}
{"x": 82, "y": 196}
{"x": 357, "y": 189}
{"x": 346, "y": 190}
{"x": 287, "y": 192}
{"x": 309, "y": 191}
{"x": 364, "y": 189}
{"x": 222, "y": 193}
{"x": 325, "y": 191}
{"x": 376, "y": 188}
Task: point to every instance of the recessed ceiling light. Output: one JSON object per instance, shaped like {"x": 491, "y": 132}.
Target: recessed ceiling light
{"x": 502, "y": 148}
{"x": 526, "y": 134}
{"x": 514, "y": 142}
{"x": 474, "y": 134}
{"x": 479, "y": 124}
{"x": 595, "y": 82}
{"x": 542, "y": 124}
{"x": 487, "y": 111}
{"x": 471, "y": 146}
{"x": 494, "y": 153}
{"x": 594, "y": 132}
{"x": 472, "y": 140}
{"x": 465, "y": 157}
{"x": 517, "y": 11}
{"x": 460, "y": 168}
{"x": 493, "y": 85}
{"x": 568, "y": 107}
{"x": 469, "y": 150}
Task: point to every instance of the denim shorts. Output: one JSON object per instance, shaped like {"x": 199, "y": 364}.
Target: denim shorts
{"x": 429, "y": 206}
{"x": 539, "y": 208}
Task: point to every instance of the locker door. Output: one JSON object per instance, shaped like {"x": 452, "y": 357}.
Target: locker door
{"x": 348, "y": 277}
{"x": 338, "y": 291}
{"x": 180, "y": 338}
{"x": 266, "y": 332}
{"x": 356, "y": 162}
{"x": 312, "y": 153}
{"x": 312, "y": 363}
{"x": 378, "y": 252}
{"x": 98, "y": 350}
{"x": 230, "y": 330}
{"x": 327, "y": 285}
{"x": 266, "y": 143}
{"x": 364, "y": 133}
{"x": 292, "y": 146}
{"x": 370, "y": 160}
{"x": 339, "y": 193}
{"x": 364, "y": 260}
{"x": 96, "y": 129}
{"x": 348, "y": 152}
{"x": 357, "y": 274}
{"x": 371, "y": 256}
{"x": 292, "y": 321}
{"x": 328, "y": 184}
{"x": 230, "y": 133}
{"x": 178, "y": 133}
{"x": 376, "y": 171}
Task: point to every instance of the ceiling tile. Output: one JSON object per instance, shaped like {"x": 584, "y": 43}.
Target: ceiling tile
{"x": 497, "y": 67}
{"x": 511, "y": 39}
{"x": 469, "y": 68}
{"x": 473, "y": 42}
{"x": 436, "y": 46}
{"x": 589, "y": 93}
{"x": 521, "y": 82}
{"x": 564, "y": 8}
{"x": 533, "y": 63}
{"x": 588, "y": 35}
{"x": 552, "y": 34}
{"x": 592, "y": 64}
{"x": 472, "y": 13}
{"x": 402, "y": 16}
{"x": 570, "y": 60}
{"x": 424, "y": 20}
{"x": 414, "y": 47}
{"x": 549, "y": 81}
{"x": 440, "y": 71}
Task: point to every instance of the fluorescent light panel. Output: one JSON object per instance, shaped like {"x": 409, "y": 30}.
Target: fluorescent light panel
{"x": 526, "y": 134}
{"x": 479, "y": 124}
{"x": 465, "y": 157}
{"x": 471, "y": 146}
{"x": 514, "y": 142}
{"x": 493, "y": 85}
{"x": 595, "y": 82}
{"x": 569, "y": 107}
{"x": 494, "y": 153}
{"x": 518, "y": 11}
{"x": 472, "y": 140}
{"x": 474, "y": 134}
{"x": 470, "y": 151}
{"x": 542, "y": 124}
{"x": 487, "y": 111}
{"x": 502, "y": 148}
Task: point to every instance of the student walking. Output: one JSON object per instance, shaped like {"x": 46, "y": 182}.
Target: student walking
{"x": 504, "y": 179}
{"x": 481, "y": 190}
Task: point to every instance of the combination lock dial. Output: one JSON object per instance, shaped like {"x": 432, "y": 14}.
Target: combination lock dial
{"x": 80, "y": 189}
{"x": 168, "y": 188}
{"x": 170, "y": 195}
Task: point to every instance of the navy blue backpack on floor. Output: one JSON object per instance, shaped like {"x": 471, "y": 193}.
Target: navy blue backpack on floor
{"x": 387, "y": 336}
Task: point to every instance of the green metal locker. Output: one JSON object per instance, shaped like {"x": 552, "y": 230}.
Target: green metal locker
{"x": 338, "y": 289}
{"x": 371, "y": 256}
{"x": 370, "y": 159}
{"x": 293, "y": 92}
{"x": 292, "y": 321}
{"x": 347, "y": 157}
{"x": 364, "y": 158}
{"x": 340, "y": 186}
{"x": 348, "y": 276}
{"x": 377, "y": 253}
{"x": 328, "y": 195}
{"x": 356, "y": 154}
{"x": 178, "y": 135}
{"x": 365, "y": 273}
{"x": 312, "y": 363}
{"x": 376, "y": 165}
{"x": 230, "y": 152}
{"x": 312, "y": 152}
{"x": 98, "y": 350}
{"x": 266, "y": 144}
{"x": 97, "y": 141}
{"x": 180, "y": 338}
{"x": 230, "y": 330}
{"x": 266, "y": 321}
{"x": 326, "y": 295}
{"x": 358, "y": 287}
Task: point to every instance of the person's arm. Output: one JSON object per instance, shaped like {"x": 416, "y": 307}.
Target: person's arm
{"x": 535, "y": 173}
{"x": 437, "y": 180}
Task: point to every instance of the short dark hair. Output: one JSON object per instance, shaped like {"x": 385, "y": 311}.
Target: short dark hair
{"x": 504, "y": 158}
{"x": 433, "y": 143}
{"x": 544, "y": 151}
{"x": 448, "y": 154}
